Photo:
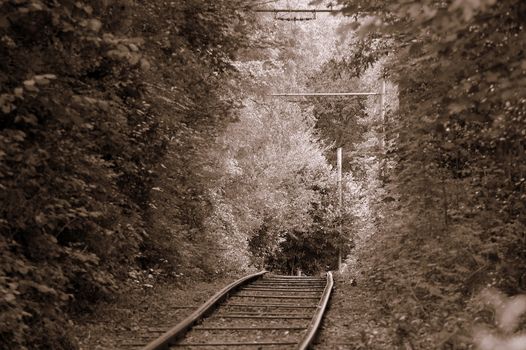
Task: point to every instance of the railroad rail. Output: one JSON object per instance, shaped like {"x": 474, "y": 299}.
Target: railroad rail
{"x": 258, "y": 311}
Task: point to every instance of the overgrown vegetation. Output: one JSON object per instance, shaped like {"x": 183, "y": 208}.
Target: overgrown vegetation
{"x": 84, "y": 128}
{"x": 451, "y": 219}
{"x": 140, "y": 135}
{"x": 129, "y": 142}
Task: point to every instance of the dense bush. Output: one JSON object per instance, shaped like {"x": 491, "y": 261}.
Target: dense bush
{"x": 82, "y": 134}
{"x": 273, "y": 198}
{"x": 453, "y": 217}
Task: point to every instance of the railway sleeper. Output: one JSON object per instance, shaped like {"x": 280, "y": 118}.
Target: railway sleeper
{"x": 257, "y": 311}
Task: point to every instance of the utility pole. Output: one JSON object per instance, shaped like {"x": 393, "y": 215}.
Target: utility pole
{"x": 325, "y": 94}
{"x": 340, "y": 204}
{"x": 382, "y": 103}
{"x": 383, "y": 137}
{"x": 296, "y": 10}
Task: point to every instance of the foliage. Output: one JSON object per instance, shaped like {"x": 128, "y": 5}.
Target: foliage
{"x": 81, "y": 135}
{"x": 194, "y": 93}
{"x": 274, "y": 189}
{"x": 452, "y": 219}
{"x": 138, "y": 134}
{"x": 508, "y": 312}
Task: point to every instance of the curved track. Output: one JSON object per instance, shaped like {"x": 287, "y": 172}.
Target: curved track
{"x": 259, "y": 311}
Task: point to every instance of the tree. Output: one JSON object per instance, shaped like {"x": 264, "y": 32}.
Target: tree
{"x": 84, "y": 124}
{"x": 453, "y": 187}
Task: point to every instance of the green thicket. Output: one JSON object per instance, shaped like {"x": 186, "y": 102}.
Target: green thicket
{"x": 271, "y": 188}
{"x": 194, "y": 91}
{"x": 274, "y": 200}
{"x": 93, "y": 96}
{"x": 454, "y": 216}
{"x": 133, "y": 135}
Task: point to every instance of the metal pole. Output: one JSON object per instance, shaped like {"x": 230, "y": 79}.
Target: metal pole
{"x": 382, "y": 111}
{"x": 326, "y": 94}
{"x": 383, "y": 137}
{"x": 340, "y": 203}
{"x": 293, "y": 10}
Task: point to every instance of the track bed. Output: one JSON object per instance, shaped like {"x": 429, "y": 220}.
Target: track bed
{"x": 260, "y": 311}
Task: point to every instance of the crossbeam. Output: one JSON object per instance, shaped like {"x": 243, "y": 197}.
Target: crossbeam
{"x": 326, "y": 94}
{"x": 294, "y": 10}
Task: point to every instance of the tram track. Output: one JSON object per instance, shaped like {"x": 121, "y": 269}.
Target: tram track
{"x": 258, "y": 311}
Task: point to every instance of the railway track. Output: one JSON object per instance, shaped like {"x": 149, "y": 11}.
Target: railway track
{"x": 259, "y": 311}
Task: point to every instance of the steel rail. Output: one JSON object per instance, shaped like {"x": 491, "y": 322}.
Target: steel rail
{"x": 222, "y": 302}
{"x": 316, "y": 320}
{"x": 169, "y": 338}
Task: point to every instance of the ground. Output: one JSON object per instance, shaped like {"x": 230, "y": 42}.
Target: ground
{"x": 352, "y": 320}
{"x": 141, "y": 312}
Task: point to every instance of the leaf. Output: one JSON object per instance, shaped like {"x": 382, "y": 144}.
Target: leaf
{"x": 30, "y": 85}
{"x": 21, "y": 267}
{"x": 27, "y": 119}
{"x": 457, "y": 107}
{"x": 134, "y": 58}
{"x": 145, "y": 65}
{"x": 17, "y": 135}
{"x": 19, "y": 92}
{"x": 4, "y": 23}
{"x": 42, "y": 288}
{"x": 40, "y": 219}
{"x": 40, "y": 80}
{"x": 94, "y": 25}
{"x": 10, "y": 298}
{"x": 6, "y": 103}
{"x": 507, "y": 310}
{"x": 448, "y": 146}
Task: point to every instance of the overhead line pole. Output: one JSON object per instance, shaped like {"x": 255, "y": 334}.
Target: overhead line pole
{"x": 294, "y": 10}
{"x": 325, "y": 94}
{"x": 340, "y": 204}
{"x": 384, "y": 128}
